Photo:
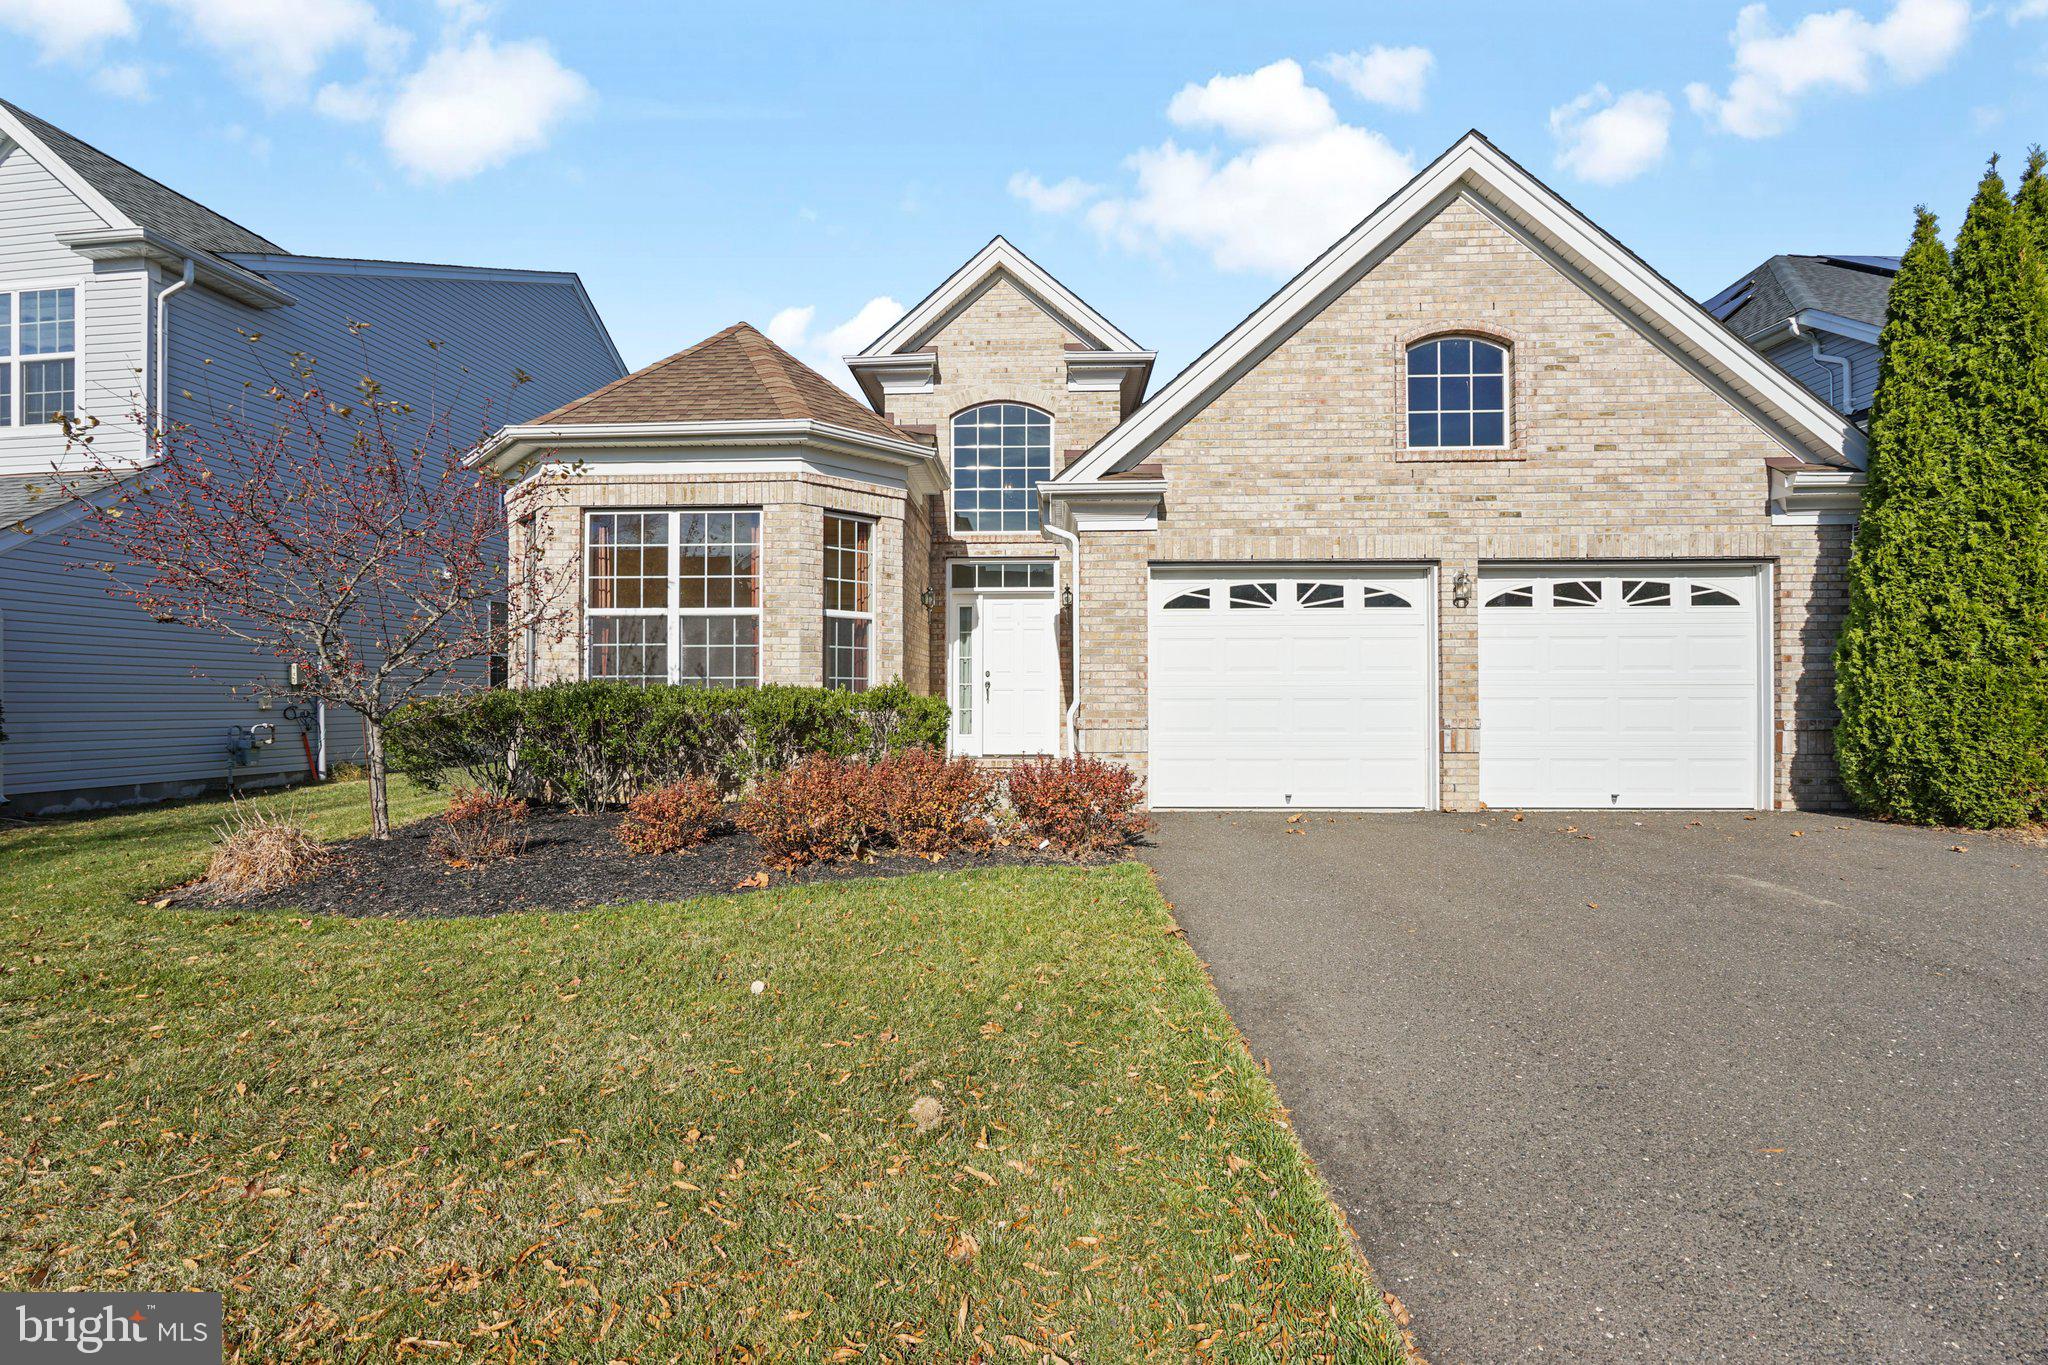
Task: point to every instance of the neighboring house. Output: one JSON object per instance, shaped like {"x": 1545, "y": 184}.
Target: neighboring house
{"x": 1477, "y": 509}
{"x": 120, "y": 296}
{"x": 1817, "y": 318}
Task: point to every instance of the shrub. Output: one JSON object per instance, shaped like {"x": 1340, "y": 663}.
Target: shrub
{"x": 598, "y": 744}
{"x": 258, "y": 852}
{"x": 480, "y": 827}
{"x": 822, "y": 810}
{"x": 673, "y": 818}
{"x": 1079, "y": 805}
{"x": 931, "y": 804}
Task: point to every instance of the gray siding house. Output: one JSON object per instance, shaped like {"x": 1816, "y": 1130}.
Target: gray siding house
{"x": 1817, "y": 318}
{"x": 120, "y": 296}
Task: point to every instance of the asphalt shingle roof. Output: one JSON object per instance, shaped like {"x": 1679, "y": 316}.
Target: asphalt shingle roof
{"x": 26, "y": 495}
{"x": 149, "y": 203}
{"x": 1848, "y": 286}
{"x": 738, "y": 375}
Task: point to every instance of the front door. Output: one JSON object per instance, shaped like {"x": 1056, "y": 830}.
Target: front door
{"x": 1004, "y": 672}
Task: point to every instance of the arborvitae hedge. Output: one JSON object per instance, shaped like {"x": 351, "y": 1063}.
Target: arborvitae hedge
{"x": 1942, "y": 667}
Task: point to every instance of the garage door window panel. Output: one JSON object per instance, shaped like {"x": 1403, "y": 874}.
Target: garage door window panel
{"x": 1645, "y": 592}
{"x": 1575, "y": 592}
{"x": 1194, "y": 599}
{"x": 1254, "y": 595}
{"x": 1707, "y": 595}
{"x": 1379, "y": 599}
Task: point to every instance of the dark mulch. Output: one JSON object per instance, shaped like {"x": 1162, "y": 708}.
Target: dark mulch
{"x": 571, "y": 862}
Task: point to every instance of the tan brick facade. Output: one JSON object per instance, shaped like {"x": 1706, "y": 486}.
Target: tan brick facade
{"x": 793, "y": 507}
{"x": 998, "y": 346}
{"x": 1618, "y": 452}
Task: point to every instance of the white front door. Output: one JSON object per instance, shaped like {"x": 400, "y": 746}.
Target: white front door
{"x": 1606, "y": 686}
{"x": 1004, "y": 671}
{"x": 1291, "y": 687}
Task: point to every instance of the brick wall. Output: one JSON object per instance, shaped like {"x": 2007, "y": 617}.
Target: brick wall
{"x": 1618, "y": 451}
{"x": 793, "y": 508}
{"x": 998, "y": 346}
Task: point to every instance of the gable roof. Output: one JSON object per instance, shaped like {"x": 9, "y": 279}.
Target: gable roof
{"x": 737, "y": 375}
{"x": 1851, "y": 287}
{"x": 999, "y": 256}
{"x": 139, "y": 200}
{"x": 1473, "y": 166}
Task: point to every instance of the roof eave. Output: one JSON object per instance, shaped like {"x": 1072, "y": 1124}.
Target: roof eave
{"x": 221, "y": 276}
{"x": 513, "y": 446}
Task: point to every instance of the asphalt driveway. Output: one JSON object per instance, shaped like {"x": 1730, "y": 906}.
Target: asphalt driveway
{"x": 1655, "y": 1087}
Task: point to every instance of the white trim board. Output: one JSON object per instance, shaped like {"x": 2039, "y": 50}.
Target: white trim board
{"x": 1476, "y": 167}
{"x": 1000, "y": 256}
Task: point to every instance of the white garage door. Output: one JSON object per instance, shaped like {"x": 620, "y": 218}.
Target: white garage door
{"x": 1295, "y": 687}
{"x": 1635, "y": 686}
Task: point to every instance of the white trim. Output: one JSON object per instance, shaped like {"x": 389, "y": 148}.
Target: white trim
{"x": 1852, "y": 328}
{"x": 510, "y": 446}
{"x": 1062, "y": 303}
{"x": 217, "y": 273}
{"x": 1138, "y": 514}
{"x": 1473, "y": 166}
{"x": 889, "y": 375}
{"x": 1819, "y": 495}
{"x": 713, "y": 460}
{"x": 39, "y": 151}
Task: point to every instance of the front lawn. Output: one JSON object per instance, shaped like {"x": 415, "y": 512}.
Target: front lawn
{"x": 585, "y": 1137}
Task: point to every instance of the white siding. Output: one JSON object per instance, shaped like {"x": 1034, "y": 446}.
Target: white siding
{"x": 34, "y": 208}
{"x": 97, "y": 695}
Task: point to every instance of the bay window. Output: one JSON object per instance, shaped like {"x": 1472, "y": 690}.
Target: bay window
{"x": 849, "y": 601}
{"x": 673, "y": 596}
{"x": 38, "y": 355}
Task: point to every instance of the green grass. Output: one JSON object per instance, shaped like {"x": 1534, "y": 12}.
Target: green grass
{"x": 583, "y": 1137}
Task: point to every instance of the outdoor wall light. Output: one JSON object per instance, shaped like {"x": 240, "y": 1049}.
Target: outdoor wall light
{"x": 1461, "y": 590}
{"x": 928, "y": 598}
{"x": 1067, "y": 597}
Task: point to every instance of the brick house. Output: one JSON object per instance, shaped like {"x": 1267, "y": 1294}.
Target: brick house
{"x": 1477, "y": 509}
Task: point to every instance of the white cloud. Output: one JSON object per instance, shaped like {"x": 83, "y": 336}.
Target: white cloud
{"x": 68, "y": 28}
{"x": 1393, "y": 76}
{"x": 824, "y": 351}
{"x": 122, "y": 80}
{"x": 357, "y": 103}
{"x": 1302, "y": 179}
{"x": 2027, "y": 9}
{"x": 1065, "y": 197}
{"x": 1839, "y": 50}
{"x": 477, "y": 104}
{"x": 280, "y": 46}
{"x": 1272, "y": 102}
{"x": 1607, "y": 138}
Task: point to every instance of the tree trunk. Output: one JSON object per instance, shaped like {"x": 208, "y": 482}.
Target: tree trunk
{"x": 380, "y": 797}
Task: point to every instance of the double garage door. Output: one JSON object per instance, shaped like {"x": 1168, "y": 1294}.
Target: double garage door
{"x": 1599, "y": 686}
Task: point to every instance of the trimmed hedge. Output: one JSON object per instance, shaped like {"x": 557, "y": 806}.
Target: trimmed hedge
{"x": 597, "y": 744}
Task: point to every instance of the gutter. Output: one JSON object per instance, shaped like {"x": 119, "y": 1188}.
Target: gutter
{"x": 163, "y": 342}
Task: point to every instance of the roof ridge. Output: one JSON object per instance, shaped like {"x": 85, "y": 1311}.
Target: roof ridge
{"x": 766, "y": 359}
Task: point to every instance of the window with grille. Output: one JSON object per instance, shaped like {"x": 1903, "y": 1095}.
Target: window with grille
{"x": 849, "y": 601}
{"x": 1457, "y": 394}
{"x": 1001, "y": 453}
{"x": 673, "y": 596}
{"x": 38, "y": 356}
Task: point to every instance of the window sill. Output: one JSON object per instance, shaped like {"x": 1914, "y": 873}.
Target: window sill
{"x": 1460, "y": 455}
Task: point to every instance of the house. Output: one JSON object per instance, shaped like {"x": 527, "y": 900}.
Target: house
{"x": 120, "y": 296}
{"x": 1817, "y": 318}
{"x": 1478, "y": 509}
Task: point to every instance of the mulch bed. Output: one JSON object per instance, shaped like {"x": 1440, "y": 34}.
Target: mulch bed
{"x": 571, "y": 862}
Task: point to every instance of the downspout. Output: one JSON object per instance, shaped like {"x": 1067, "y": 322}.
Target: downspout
{"x": 1831, "y": 361}
{"x": 163, "y": 341}
{"x": 1074, "y": 627}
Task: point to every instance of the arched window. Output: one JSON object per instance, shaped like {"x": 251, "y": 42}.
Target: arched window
{"x": 1001, "y": 452}
{"x": 1457, "y": 393}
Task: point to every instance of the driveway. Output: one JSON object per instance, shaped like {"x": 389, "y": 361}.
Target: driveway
{"x": 1655, "y": 1087}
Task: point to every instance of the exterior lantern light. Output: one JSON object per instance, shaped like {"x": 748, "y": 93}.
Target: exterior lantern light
{"x": 928, "y": 599}
{"x": 1067, "y": 597}
{"x": 1461, "y": 590}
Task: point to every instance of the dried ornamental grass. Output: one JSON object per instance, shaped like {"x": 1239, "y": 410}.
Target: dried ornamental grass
{"x": 257, "y": 852}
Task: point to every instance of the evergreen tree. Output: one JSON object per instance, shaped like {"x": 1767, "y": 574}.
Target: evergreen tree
{"x": 1941, "y": 663}
{"x": 1891, "y": 743}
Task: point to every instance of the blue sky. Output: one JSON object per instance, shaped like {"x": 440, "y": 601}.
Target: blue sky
{"x": 1172, "y": 163}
